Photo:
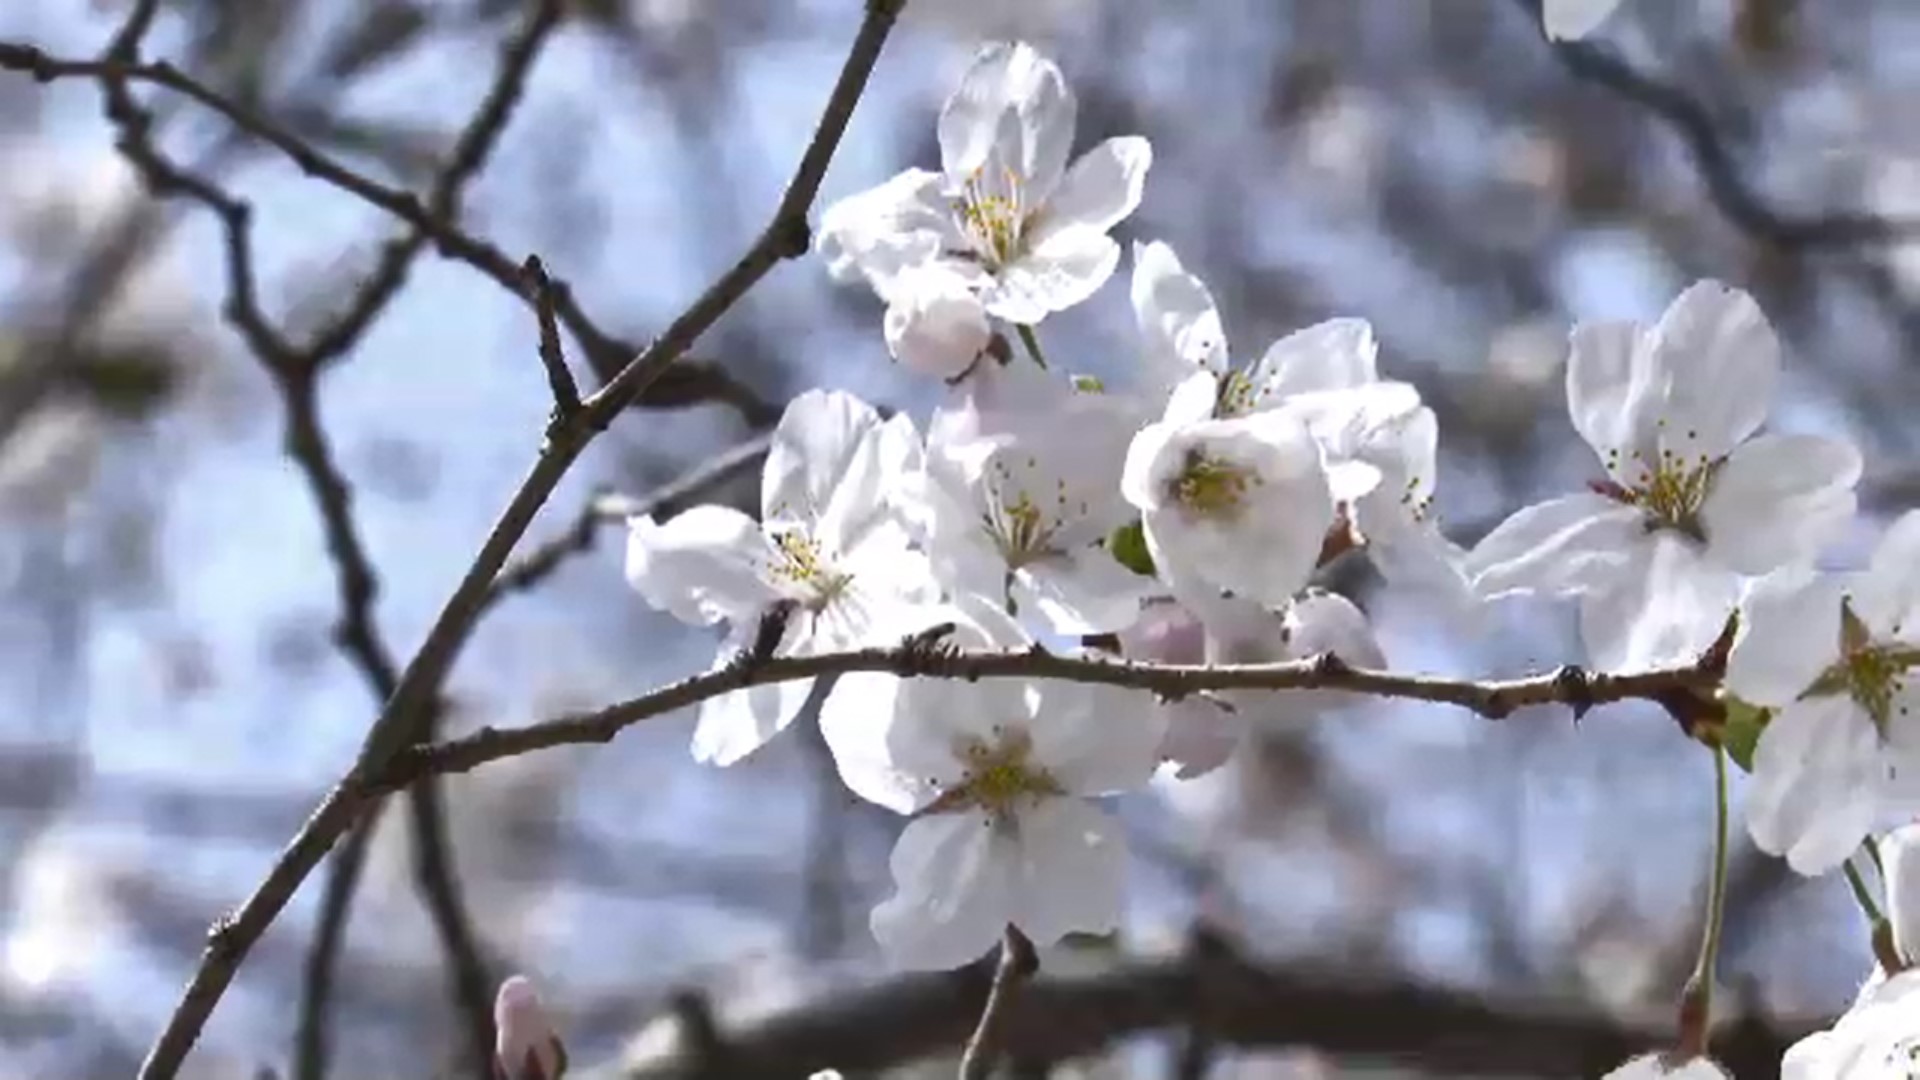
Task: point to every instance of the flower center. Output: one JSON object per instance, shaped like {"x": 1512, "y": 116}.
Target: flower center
{"x": 1669, "y": 490}
{"x": 1870, "y": 673}
{"x": 998, "y": 776}
{"x": 802, "y": 564}
{"x": 1212, "y": 487}
{"x": 1025, "y": 530}
{"x": 994, "y": 219}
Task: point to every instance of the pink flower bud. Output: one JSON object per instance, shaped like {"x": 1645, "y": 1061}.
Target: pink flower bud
{"x": 525, "y": 1044}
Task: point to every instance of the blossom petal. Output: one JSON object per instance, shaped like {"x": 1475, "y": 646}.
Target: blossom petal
{"x": 1816, "y": 777}
{"x": 955, "y": 879}
{"x": 1567, "y": 20}
{"x": 735, "y": 724}
{"x": 1606, "y": 389}
{"x": 855, "y": 722}
{"x": 1338, "y": 354}
{"x": 706, "y": 564}
{"x": 1179, "y": 324}
{"x": 1888, "y": 599}
{"x": 1666, "y": 608}
{"x": 1095, "y": 740}
{"x": 1900, "y": 858}
{"x": 861, "y": 499}
{"x": 818, "y": 437}
{"x": 1790, "y": 633}
{"x": 1101, "y": 188}
{"x": 880, "y": 233}
{"x": 1201, "y": 736}
{"x": 1084, "y": 591}
{"x": 1719, "y": 359}
{"x": 935, "y": 323}
{"x": 1567, "y": 545}
{"x": 1073, "y": 863}
{"x": 1068, "y": 267}
{"x": 1009, "y": 78}
{"x": 1656, "y": 1067}
{"x": 1778, "y": 499}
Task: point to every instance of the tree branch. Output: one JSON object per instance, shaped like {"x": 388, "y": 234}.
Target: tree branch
{"x": 1238, "y": 1000}
{"x": 1729, "y": 189}
{"x": 401, "y": 721}
{"x": 914, "y": 659}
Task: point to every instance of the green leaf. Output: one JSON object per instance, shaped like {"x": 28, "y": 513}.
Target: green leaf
{"x": 1129, "y": 546}
{"x": 1745, "y": 722}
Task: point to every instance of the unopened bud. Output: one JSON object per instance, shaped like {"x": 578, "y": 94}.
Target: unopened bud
{"x": 525, "y": 1045}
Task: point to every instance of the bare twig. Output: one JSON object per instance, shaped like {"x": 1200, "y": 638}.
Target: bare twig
{"x": 428, "y": 219}
{"x": 529, "y": 570}
{"x": 1726, "y": 185}
{"x": 566, "y": 396}
{"x": 1017, "y": 964}
{"x": 402, "y": 720}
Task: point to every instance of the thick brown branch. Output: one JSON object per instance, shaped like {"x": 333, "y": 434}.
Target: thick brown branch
{"x": 398, "y": 725}
{"x": 1239, "y": 1001}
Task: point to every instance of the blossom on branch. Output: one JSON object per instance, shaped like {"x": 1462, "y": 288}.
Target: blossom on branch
{"x": 1021, "y": 517}
{"x": 1835, "y": 659}
{"x": 1692, "y": 501}
{"x": 997, "y": 776}
{"x": 828, "y": 549}
{"x": 1006, "y": 215}
{"x": 526, "y": 1047}
{"x": 1376, "y": 438}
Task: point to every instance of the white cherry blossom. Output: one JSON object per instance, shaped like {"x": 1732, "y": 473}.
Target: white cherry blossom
{"x": 1022, "y": 517}
{"x": 1239, "y": 506}
{"x": 1006, "y": 213}
{"x": 1661, "y": 1067}
{"x": 1567, "y": 20}
{"x": 1838, "y": 666}
{"x": 828, "y": 544}
{"x": 997, "y": 775}
{"x": 1900, "y": 859}
{"x": 1877, "y": 1039}
{"x": 1378, "y": 440}
{"x": 1692, "y": 501}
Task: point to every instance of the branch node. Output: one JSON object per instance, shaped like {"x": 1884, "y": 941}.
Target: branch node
{"x": 1575, "y": 687}
{"x": 1329, "y": 666}
{"x": 792, "y": 236}
{"x": 767, "y": 635}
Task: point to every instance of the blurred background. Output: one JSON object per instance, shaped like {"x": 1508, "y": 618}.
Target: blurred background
{"x": 176, "y": 694}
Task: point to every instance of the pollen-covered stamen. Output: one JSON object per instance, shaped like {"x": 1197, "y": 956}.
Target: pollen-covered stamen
{"x": 998, "y": 776}
{"x": 802, "y": 564}
{"x": 1870, "y": 673}
{"x": 1238, "y": 395}
{"x": 1212, "y": 487}
{"x": 1024, "y": 529}
{"x": 994, "y": 219}
{"x": 1669, "y": 487}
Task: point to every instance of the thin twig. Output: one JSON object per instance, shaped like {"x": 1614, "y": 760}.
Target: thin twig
{"x": 232, "y": 936}
{"x": 1017, "y": 964}
{"x": 539, "y": 563}
{"x": 566, "y": 395}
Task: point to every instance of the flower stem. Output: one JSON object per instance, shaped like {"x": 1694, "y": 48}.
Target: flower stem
{"x": 1696, "y": 1001}
{"x": 1032, "y": 342}
{"x": 1861, "y": 895}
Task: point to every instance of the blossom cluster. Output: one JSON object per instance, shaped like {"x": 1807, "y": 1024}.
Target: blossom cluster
{"x": 1181, "y": 516}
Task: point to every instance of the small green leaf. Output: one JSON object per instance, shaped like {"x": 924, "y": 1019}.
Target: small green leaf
{"x": 1745, "y": 722}
{"x": 1129, "y": 546}
{"x": 1089, "y": 384}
